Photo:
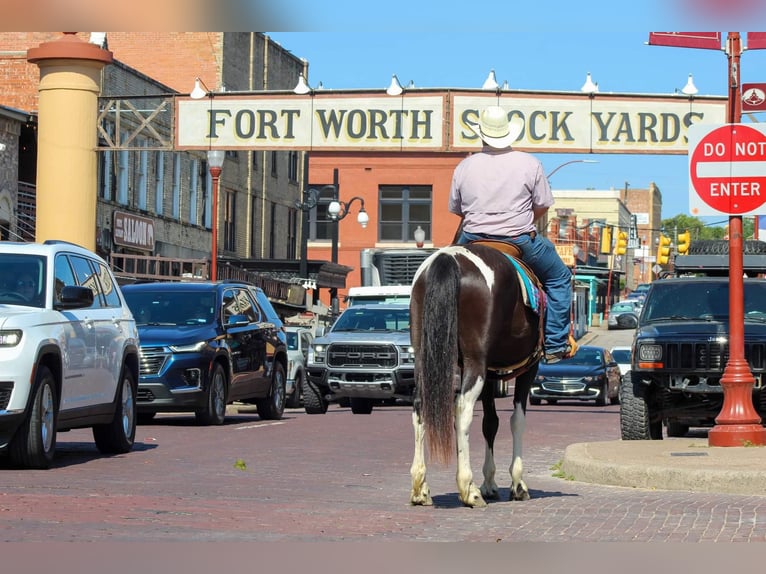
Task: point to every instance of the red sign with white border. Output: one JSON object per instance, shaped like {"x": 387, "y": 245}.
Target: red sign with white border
{"x": 727, "y": 169}
{"x": 753, "y": 97}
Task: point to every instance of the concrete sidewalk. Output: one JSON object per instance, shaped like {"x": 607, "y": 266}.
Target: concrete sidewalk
{"x": 687, "y": 464}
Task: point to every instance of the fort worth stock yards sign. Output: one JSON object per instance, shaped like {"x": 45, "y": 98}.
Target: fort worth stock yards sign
{"x": 439, "y": 121}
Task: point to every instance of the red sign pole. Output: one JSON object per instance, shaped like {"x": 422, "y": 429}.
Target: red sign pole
{"x": 738, "y": 424}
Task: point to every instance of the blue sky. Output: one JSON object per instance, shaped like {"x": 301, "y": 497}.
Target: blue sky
{"x": 436, "y": 47}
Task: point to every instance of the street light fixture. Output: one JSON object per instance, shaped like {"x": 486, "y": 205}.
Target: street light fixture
{"x": 558, "y": 167}
{"x": 338, "y": 210}
{"x": 420, "y": 236}
{"x": 215, "y": 159}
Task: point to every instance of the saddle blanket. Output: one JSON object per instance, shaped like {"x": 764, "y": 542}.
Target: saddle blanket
{"x": 534, "y": 298}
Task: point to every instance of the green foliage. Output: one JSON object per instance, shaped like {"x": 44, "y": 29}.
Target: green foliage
{"x": 700, "y": 230}
{"x": 240, "y": 464}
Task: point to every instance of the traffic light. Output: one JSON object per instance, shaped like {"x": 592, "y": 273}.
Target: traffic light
{"x": 663, "y": 250}
{"x": 621, "y": 245}
{"x": 684, "y": 239}
{"x": 606, "y": 239}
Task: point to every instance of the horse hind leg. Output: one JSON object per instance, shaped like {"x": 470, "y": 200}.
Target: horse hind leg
{"x": 420, "y": 494}
{"x": 489, "y": 425}
{"x": 519, "y": 490}
{"x": 469, "y": 494}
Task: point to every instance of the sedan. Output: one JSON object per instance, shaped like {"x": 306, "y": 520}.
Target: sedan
{"x": 591, "y": 374}
{"x": 621, "y": 354}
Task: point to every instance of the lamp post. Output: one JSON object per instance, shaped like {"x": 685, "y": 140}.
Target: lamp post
{"x": 558, "y": 167}
{"x": 420, "y": 237}
{"x": 336, "y": 211}
{"x": 215, "y": 165}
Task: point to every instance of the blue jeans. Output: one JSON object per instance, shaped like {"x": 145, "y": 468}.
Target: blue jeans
{"x": 540, "y": 254}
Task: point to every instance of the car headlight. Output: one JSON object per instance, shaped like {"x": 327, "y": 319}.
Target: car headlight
{"x": 407, "y": 353}
{"x": 650, "y": 353}
{"x": 317, "y": 354}
{"x": 193, "y": 348}
{"x": 10, "y": 338}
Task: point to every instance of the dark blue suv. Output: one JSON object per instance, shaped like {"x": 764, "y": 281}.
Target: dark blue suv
{"x": 205, "y": 345}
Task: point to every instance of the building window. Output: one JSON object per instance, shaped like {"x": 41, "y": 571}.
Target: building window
{"x": 107, "y": 181}
{"x": 292, "y": 167}
{"x": 229, "y": 222}
{"x": 142, "y": 175}
{"x": 402, "y": 210}
{"x": 320, "y": 226}
{"x": 123, "y": 173}
{"x": 274, "y": 157}
{"x": 159, "y": 183}
{"x": 254, "y": 155}
{"x": 292, "y": 233}
{"x": 176, "y": 210}
{"x": 273, "y": 230}
{"x": 193, "y": 190}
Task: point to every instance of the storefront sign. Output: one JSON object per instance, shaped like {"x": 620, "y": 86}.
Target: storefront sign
{"x": 133, "y": 231}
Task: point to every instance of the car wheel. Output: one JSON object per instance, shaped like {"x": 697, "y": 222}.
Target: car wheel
{"x": 637, "y": 417}
{"x": 294, "y": 400}
{"x": 273, "y": 406}
{"x": 214, "y": 412}
{"x": 313, "y": 399}
{"x": 117, "y": 436}
{"x": 601, "y": 399}
{"x": 34, "y": 443}
{"x": 552, "y": 401}
{"x": 146, "y": 418}
{"x": 535, "y": 402}
{"x": 361, "y": 406}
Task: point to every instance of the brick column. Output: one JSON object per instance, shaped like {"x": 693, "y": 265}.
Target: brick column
{"x": 70, "y": 82}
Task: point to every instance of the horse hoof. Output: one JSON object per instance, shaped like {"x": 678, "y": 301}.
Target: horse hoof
{"x": 421, "y": 501}
{"x": 519, "y": 493}
{"x": 490, "y": 493}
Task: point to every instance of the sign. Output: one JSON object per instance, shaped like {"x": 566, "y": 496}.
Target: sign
{"x": 704, "y": 40}
{"x": 134, "y": 231}
{"x": 441, "y": 120}
{"x": 566, "y": 252}
{"x": 633, "y": 242}
{"x": 753, "y": 97}
{"x": 727, "y": 169}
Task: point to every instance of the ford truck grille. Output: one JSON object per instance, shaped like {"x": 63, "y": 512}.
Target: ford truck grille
{"x": 152, "y": 360}
{"x": 341, "y": 355}
{"x": 710, "y": 356}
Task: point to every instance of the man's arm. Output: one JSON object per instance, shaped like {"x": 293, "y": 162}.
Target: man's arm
{"x": 458, "y": 231}
{"x": 538, "y": 212}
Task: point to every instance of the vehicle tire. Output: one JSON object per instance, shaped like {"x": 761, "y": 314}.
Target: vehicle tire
{"x": 636, "y": 416}
{"x": 535, "y": 402}
{"x": 313, "y": 399}
{"x": 361, "y": 406}
{"x": 214, "y": 412}
{"x": 676, "y": 429}
{"x": 294, "y": 400}
{"x": 117, "y": 436}
{"x": 601, "y": 399}
{"x": 552, "y": 401}
{"x": 273, "y": 406}
{"x": 34, "y": 443}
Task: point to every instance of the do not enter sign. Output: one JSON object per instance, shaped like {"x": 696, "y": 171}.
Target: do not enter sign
{"x": 727, "y": 169}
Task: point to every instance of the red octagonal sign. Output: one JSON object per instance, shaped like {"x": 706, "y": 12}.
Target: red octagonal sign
{"x": 727, "y": 169}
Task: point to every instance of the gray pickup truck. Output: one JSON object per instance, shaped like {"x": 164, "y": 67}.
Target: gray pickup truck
{"x": 365, "y": 357}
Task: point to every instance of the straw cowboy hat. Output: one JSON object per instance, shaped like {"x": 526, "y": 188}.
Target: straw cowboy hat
{"x": 495, "y": 129}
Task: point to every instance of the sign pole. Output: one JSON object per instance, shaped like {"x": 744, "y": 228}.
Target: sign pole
{"x": 738, "y": 424}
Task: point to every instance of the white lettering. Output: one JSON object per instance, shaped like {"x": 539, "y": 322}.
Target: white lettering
{"x": 735, "y": 189}
{"x": 718, "y": 149}
{"x": 750, "y": 149}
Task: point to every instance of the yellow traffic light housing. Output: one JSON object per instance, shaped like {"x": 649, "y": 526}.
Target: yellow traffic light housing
{"x": 621, "y": 245}
{"x": 606, "y": 239}
{"x": 663, "y": 250}
{"x": 684, "y": 240}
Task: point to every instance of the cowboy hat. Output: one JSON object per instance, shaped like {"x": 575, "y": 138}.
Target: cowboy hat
{"x": 495, "y": 129}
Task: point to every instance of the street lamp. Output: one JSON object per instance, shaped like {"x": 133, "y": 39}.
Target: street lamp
{"x": 420, "y": 236}
{"x": 215, "y": 159}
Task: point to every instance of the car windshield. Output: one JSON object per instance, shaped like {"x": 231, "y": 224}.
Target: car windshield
{"x": 22, "y": 280}
{"x": 621, "y": 355}
{"x": 373, "y": 319}
{"x": 704, "y": 300}
{"x": 620, "y": 307}
{"x": 172, "y": 307}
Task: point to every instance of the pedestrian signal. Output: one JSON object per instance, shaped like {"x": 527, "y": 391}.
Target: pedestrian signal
{"x": 621, "y": 246}
{"x": 684, "y": 240}
{"x": 663, "y": 250}
{"x": 606, "y": 240}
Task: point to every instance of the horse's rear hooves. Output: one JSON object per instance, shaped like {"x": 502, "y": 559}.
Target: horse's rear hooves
{"x": 519, "y": 493}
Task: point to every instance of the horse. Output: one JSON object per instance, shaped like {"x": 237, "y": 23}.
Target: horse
{"x": 470, "y": 326}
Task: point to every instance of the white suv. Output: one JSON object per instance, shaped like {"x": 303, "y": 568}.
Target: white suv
{"x": 68, "y": 350}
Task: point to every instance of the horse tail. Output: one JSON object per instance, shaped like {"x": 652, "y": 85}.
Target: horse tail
{"x": 439, "y": 355}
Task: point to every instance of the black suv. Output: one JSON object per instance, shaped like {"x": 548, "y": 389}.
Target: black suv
{"x": 205, "y": 345}
{"x": 681, "y": 348}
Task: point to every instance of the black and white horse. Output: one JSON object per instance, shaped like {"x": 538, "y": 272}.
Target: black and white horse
{"x": 470, "y": 324}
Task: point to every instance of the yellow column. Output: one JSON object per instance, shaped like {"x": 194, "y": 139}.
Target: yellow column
{"x": 70, "y": 82}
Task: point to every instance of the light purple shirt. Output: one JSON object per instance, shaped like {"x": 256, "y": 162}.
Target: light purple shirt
{"x": 496, "y": 190}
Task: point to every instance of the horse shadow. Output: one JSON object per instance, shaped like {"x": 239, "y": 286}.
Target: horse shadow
{"x": 450, "y": 500}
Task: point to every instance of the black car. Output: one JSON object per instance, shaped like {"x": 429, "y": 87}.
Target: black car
{"x": 205, "y": 345}
{"x": 591, "y": 375}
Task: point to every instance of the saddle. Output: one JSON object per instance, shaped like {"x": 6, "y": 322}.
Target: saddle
{"x": 514, "y": 254}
